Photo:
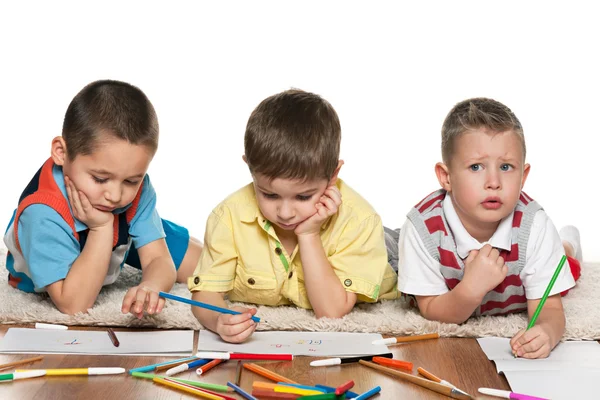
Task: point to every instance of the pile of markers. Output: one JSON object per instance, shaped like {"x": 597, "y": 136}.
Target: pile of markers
{"x": 283, "y": 388}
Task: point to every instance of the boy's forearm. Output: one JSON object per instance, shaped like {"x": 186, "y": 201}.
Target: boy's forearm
{"x": 208, "y": 318}
{"x": 79, "y": 290}
{"x": 160, "y": 273}
{"x": 455, "y": 306}
{"x": 326, "y": 294}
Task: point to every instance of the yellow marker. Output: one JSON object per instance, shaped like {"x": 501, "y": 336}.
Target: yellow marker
{"x": 295, "y": 390}
{"x": 79, "y": 371}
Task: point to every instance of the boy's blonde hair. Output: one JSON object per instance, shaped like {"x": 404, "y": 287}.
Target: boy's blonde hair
{"x": 112, "y": 108}
{"x": 478, "y": 113}
{"x": 293, "y": 135}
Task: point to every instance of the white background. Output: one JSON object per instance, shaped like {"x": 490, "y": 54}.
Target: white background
{"x": 392, "y": 71}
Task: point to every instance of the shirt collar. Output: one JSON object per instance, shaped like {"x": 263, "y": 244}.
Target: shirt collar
{"x": 501, "y": 239}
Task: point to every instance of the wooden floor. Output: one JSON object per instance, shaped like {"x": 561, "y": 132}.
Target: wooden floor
{"x": 459, "y": 361}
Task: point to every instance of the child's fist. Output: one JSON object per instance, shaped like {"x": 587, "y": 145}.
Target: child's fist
{"x": 484, "y": 270}
{"x": 532, "y": 343}
{"x": 236, "y": 328}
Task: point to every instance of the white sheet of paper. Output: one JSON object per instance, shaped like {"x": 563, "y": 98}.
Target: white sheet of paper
{"x": 570, "y": 372}
{"x": 577, "y": 384}
{"x": 318, "y": 344}
{"x": 72, "y": 341}
{"x": 564, "y": 355}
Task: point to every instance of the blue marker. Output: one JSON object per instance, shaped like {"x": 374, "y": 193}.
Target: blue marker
{"x": 185, "y": 367}
{"x": 369, "y": 393}
{"x": 149, "y": 368}
{"x": 241, "y": 392}
{"x": 203, "y": 305}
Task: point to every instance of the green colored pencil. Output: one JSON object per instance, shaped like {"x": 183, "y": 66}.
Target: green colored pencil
{"x": 546, "y": 293}
{"x": 203, "y": 385}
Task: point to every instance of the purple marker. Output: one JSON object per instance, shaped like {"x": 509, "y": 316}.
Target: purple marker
{"x": 508, "y": 395}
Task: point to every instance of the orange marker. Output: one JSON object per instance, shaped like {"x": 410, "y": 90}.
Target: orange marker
{"x": 267, "y": 374}
{"x": 206, "y": 367}
{"x": 408, "y": 366}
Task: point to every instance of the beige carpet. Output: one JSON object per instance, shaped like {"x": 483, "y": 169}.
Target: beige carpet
{"x": 582, "y": 307}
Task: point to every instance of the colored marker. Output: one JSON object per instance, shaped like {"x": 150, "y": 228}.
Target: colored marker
{"x": 113, "y": 337}
{"x": 329, "y": 389}
{"x": 20, "y": 362}
{"x": 368, "y": 393}
{"x": 203, "y": 305}
{"x": 404, "y": 339}
{"x": 405, "y": 365}
{"x": 40, "y": 325}
{"x": 202, "y": 385}
{"x": 21, "y": 375}
{"x": 241, "y": 392}
{"x": 151, "y": 367}
{"x": 306, "y": 387}
{"x": 78, "y": 371}
{"x": 432, "y": 377}
{"x": 205, "y": 368}
{"x": 346, "y": 360}
{"x": 508, "y": 395}
{"x": 243, "y": 356}
{"x": 344, "y": 387}
{"x": 185, "y": 367}
{"x": 547, "y": 292}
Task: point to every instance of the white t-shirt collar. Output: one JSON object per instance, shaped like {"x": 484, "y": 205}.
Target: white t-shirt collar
{"x": 501, "y": 239}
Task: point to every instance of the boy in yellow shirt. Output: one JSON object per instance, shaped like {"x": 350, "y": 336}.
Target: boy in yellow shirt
{"x": 297, "y": 235}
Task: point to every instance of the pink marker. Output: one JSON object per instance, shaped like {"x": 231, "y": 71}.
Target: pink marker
{"x": 508, "y": 395}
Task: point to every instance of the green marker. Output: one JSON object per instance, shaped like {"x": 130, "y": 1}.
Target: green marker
{"x": 546, "y": 293}
{"x": 203, "y": 385}
{"x": 21, "y": 375}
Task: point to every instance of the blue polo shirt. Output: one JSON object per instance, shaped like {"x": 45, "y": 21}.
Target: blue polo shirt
{"x": 49, "y": 248}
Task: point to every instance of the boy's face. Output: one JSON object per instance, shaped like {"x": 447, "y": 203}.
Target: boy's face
{"x": 485, "y": 178}
{"x": 111, "y": 176}
{"x": 286, "y": 202}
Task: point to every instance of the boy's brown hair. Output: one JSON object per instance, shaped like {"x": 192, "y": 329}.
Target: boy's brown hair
{"x": 112, "y": 108}
{"x": 293, "y": 135}
{"x": 478, "y": 113}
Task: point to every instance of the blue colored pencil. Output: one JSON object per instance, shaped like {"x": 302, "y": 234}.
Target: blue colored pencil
{"x": 151, "y": 367}
{"x": 369, "y": 393}
{"x": 329, "y": 389}
{"x": 203, "y": 305}
{"x": 241, "y": 392}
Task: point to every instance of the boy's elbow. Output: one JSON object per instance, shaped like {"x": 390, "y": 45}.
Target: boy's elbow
{"x": 337, "y": 312}
{"x": 72, "y": 309}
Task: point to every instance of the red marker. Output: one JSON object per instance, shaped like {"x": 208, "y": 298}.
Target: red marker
{"x": 344, "y": 388}
{"x": 243, "y": 356}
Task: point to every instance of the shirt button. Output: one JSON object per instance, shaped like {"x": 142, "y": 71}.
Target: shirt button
{"x": 278, "y": 251}
{"x": 291, "y": 274}
{"x": 251, "y": 281}
{"x": 348, "y": 282}
{"x": 196, "y": 280}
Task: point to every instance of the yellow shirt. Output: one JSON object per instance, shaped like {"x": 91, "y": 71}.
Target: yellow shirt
{"x": 243, "y": 257}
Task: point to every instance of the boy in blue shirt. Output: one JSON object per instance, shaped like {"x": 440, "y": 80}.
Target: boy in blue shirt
{"x": 91, "y": 208}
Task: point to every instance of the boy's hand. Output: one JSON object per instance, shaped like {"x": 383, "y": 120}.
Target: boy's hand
{"x": 326, "y": 207}
{"x": 532, "y": 343}
{"x": 236, "y": 328}
{"x": 140, "y": 298}
{"x": 83, "y": 209}
{"x": 484, "y": 270}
